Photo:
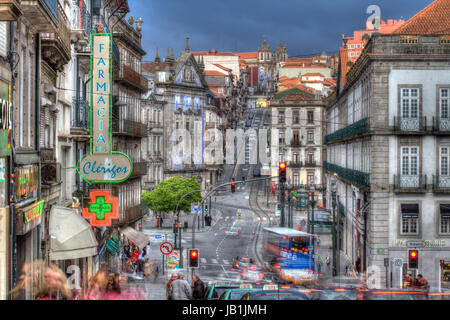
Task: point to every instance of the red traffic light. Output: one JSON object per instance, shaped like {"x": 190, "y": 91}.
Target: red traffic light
{"x": 193, "y": 254}
{"x": 442, "y": 262}
{"x": 283, "y": 165}
{"x": 413, "y": 254}
{"x": 193, "y": 258}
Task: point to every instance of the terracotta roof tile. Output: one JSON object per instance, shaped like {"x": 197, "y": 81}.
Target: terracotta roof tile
{"x": 247, "y": 55}
{"x": 222, "y": 67}
{"x": 149, "y": 67}
{"x": 212, "y": 53}
{"x": 433, "y": 19}
{"x": 317, "y": 74}
{"x": 214, "y": 73}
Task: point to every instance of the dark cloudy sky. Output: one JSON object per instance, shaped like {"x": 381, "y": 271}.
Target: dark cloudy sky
{"x": 305, "y": 26}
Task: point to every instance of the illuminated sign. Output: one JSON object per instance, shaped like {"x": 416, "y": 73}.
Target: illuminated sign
{"x": 102, "y": 165}
{"x": 27, "y": 180}
{"x": 33, "y": 212}
{"x": 102, "y": 208}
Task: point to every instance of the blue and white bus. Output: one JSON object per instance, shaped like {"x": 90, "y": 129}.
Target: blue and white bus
{"x": 290, "y": 253}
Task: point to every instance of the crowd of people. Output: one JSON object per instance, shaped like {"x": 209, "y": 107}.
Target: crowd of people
{"x": 50, "y": 283}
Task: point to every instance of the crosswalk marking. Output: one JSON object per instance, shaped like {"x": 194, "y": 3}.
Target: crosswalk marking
{"x": 202, "y": 260}
{"x": 225, "y": 262}
{"x": 214, "y": 261}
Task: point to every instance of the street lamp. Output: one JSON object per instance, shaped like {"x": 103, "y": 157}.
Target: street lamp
{"x": 312, "y": 201}
{"x": 333, "y": 196}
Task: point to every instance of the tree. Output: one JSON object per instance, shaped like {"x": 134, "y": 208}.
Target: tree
{"x": 167, "y": 194}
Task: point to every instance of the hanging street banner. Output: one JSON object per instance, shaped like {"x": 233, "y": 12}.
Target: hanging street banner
{"x": 102, "y": 208}
{"x": 103, "y": 165}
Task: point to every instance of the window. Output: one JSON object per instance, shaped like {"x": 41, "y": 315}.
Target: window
{"x": 444, "y": 157}
{"x": 296, "y": 136}
{"x": 352, "y": 46}
{"x": 310, "y": 116}
{"x": 296, "y": 179}
{"x": 358, "y": 54}
{"x": 187, "y": 125}
{"x": 310, "y": 178}
{"x": 358, "y": 46}
{"x": 281, "y": 117}
{"x": 281, "y": 157}
{"x": 295, "y": 157}
{"x": 310, "y": 157}
{"x": 444, "y": 102}
{"x": 410, "y": 216}
{"x": 178, "y": 101}
{"x": 410, "y": 161}
{"x": 162, "y": 76}
{"x": 295, "y": 117}
{"x": 410, "y": 102}
{"x": 310, "y": 136}
{"x": 352, "y": 54}
{"x": 444, "y": 218}
{"x": 3, "y": 39}
{"x": 281, "y": 140}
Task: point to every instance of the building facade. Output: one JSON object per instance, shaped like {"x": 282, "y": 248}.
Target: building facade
{"x": 387, "y": 150}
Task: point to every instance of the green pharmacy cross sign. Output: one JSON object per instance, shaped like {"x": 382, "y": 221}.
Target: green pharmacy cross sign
{"x": 102, "y": 165}
{"x": 100, "y": 208}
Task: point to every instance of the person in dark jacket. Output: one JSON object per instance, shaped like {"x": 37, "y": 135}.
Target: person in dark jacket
{"x": 199, "y": 288}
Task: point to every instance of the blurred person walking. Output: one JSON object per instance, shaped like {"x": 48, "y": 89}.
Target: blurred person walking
{"x": 169, "y": 283}
{"x": 54, "y": 286}
{"x": 199, "y": 288}
{"x": 180, "y": 289}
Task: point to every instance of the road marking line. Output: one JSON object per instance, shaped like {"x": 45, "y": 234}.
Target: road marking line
{"x": 225, "y": 262}
{"x": 214, "y": 261}
{"x": 203, "y": 260}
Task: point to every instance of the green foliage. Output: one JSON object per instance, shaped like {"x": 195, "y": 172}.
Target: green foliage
{"x": 167, "y": 194}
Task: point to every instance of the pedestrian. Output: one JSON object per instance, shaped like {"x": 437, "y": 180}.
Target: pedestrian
{"x": 327, "y": 261}
{"x": 199, "y": 288}
{"x": 423, "y": 283}
{"x": 180, "y": 289}
{"x": 407, "y": 281}
{"x": 169, "y": 283}
{"x": 97, "y": 286}
{"x": 54, "y": 286}
{"x": 185, "y": 225}
{"x": 161, "y": 220}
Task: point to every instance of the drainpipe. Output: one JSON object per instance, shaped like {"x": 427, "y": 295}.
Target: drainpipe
{"x": 12, "y": 242}
{"x": 37, "y": 128}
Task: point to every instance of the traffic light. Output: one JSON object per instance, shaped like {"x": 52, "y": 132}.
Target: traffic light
{"x": 413, "y": 259}
{"x": 442, "y": 263}
{"x": 239, "y": 215}
{"x": 243, "y": 181}
{"x": 206, "y": 208}
{"x": 233, "y": 187}
{"x": 193, "y": 258}
{"x": 175, "y": 227}
{"x": 282, "y": 172}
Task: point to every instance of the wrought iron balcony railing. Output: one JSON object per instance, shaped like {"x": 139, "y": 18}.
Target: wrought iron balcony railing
{"x": 441, "y": 183}
{"x": 128, "y": 127}
{"x": 410, "y": 183}
{"x": 310, "y": 163}
{"x": 358, "y": 178}
{"x": 132, "y": 77}
{"x": 360, "y": 127}
{"x": 81, "y": 18}
{"x": 441, "y": 124}
{"x": 295, "y": 164}
{"x": 296, "y": 143}
{"x": 408, "y": 125}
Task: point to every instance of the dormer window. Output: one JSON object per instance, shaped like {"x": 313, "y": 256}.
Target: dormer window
{"x": 162, "y": 77}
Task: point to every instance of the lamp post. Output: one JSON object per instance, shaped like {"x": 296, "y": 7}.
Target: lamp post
{"x": 333, "y": 196}
{"x": 312, "y": 201}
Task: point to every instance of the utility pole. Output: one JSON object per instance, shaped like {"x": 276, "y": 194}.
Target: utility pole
{"x": 282, "y": 200}
{"x": 333, "y": 196}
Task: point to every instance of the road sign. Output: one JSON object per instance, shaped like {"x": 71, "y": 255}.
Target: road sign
{"x": 398, "y": 262}
{"x": 158, "y": 236}
{"x": 415, "y": 244}
{"x": 166, "y": 248}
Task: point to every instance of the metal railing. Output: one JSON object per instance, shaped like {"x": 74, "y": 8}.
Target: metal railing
{"x": 441, "y": 183}
{"x": 405, "y": 124}
{"x": 310, "y": 163}
{"x": 82, "y": 19}
{"x": 129, "y": 127}
{"x": 52, "y": 6}
{"x": 410, "y": 183}
{"x": 359, "y": 127}
{"x": 357, "y": 177}
{"x": 101, "y": 19}
{"x": 133, "y": 77}
{"x": 139, "y": 169}
{"x": 295, "y": 143}
{"x": 441, "y": 124}
{"x": 62, "y": 34}
{"x": 295, "y": 164}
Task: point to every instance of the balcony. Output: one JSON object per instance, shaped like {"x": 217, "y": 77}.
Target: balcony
{"x": 81, "y": 24}
{"x": 404, "y": 125}
{"x": 128, "y": 127}
{"x": 355, "y": 129}
{"x": 155, "y": 127}
{"x": 80, "y": 118}
{"x": 131, "y": 214}
{"x": 441, "y": 184}
{"x": 132, "y": 78}
{"x": 311, "y": 163}
{"x": 441, "y": 125}
{"x": 355, "y": 177}
{"x": 410, "y": 184}
{"x": 296, "y": 143}
{"x": 10, "y": 10}
{"x": 42, "y": 14}
{"x": 56, "y": 46}
{"x": 48, "y": 155}
{"x": 295, "y": 164}
{"x": 139, "y": 169}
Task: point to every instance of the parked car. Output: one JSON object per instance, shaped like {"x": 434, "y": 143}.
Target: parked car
{"x": 275, "y": 295}
{"x": 257, "y": 172}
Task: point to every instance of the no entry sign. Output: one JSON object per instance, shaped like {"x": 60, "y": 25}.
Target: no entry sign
{"x": 166, "y": 248}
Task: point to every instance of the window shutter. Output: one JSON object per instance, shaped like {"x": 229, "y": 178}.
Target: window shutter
{"x": 3, "y": 39}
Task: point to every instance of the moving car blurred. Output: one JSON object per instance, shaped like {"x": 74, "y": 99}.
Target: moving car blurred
{"x": 275, "y": 295}
{"x": 233, "y": 231}
{"x": 215, "y": 289}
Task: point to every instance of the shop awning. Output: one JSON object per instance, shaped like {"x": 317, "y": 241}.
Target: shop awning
{"x": 140, "y": 239}
{"x": 71, "y": 236}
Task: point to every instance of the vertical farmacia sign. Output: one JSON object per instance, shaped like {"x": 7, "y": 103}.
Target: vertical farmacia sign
{"x": 102, "y": 165}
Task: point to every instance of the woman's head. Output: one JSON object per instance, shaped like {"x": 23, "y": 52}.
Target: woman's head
{"x": 195, "y": 277}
